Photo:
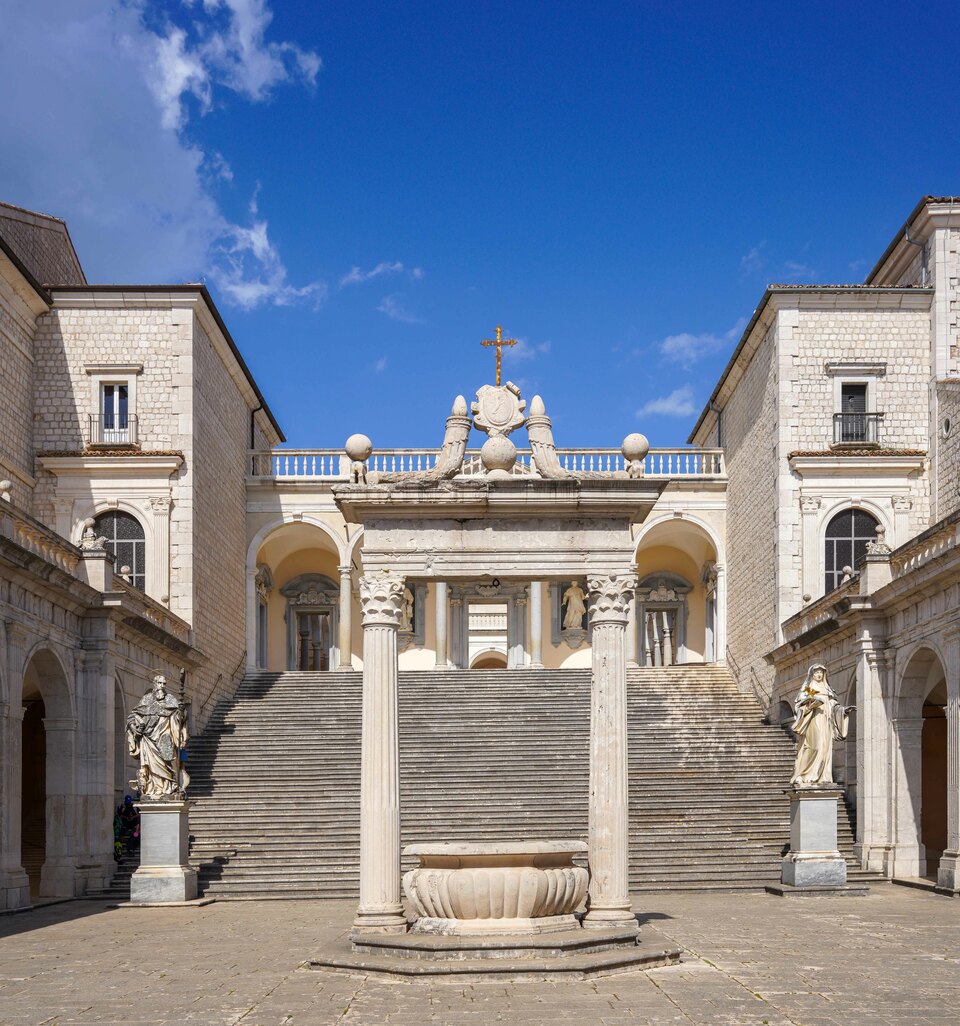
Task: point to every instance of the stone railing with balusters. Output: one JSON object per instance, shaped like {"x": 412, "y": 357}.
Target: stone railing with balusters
{"x": 151, "y": 610}
{"x": 333, "y": 465}
{"x": 37, "y": 538}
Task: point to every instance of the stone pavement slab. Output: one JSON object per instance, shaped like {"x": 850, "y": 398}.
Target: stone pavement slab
{"x": 890, "y": 959}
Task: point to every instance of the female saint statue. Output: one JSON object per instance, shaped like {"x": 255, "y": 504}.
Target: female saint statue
{"x": 573, "y": 599}
{"x": 156, "y": 732}
{"x": 819, "y": 720}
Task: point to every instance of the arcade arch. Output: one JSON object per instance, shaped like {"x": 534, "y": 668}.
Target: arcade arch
{"x": 47, "y": 773}
{"x": 922, "y": 796}
{"x": 679, "y": 599}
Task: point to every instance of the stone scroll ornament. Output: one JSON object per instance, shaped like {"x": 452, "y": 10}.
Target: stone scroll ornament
{"x": 540, "y": 433}
{"x": 454, "y": 445}
{"x": 610, "y": 596}
{"x": 156, "y": 734}
{"x": 819, "y": 720}
{"x": 381, "y": 598}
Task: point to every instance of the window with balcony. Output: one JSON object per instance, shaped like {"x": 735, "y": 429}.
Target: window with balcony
{"x": 855, "y": 424}
{"x": 113, "y": 424}
{"x": 846, "y": 543}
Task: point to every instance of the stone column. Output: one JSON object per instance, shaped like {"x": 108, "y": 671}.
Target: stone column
{"x": 720, "y": 641}
{"x": 632, "y": 630}
{"x": 59, "y": 872}
{"x": 516, "y": 632}
{"x": 874, "y": 829}
{"x": 948, "y": 875}
{"x": 458, "y": 635}
{"x": 14, "y": 884}
{"x": 536, "y": 625}
{"x": 252, "y": 611}
{"x": 381, "y": 596}
{"x": 909, "y": 854}
{"x": 609, "y": 904}
{"x": 346, "y": 620}
{"x": 441, "y": 660}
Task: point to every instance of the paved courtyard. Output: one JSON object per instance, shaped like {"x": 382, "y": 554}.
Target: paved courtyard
{"x": 890, "y": 958}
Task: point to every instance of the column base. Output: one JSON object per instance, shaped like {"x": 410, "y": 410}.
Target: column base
{"x": 948, "y": 875}
{"x": 877, "y": 858}
{"x": 384, "y": 920}
{"x": 161, "y": 884}
{"x": 58, "y": 880}
{"x": 814, "y": 869}
{"x": 610, "y": 919}
{"x": 14, "y": 889}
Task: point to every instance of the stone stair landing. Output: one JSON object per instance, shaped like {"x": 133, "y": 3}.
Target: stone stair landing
{"x": 487, "y": 755}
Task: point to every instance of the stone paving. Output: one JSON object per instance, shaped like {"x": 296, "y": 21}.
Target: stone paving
{"x": 890, "y": 959}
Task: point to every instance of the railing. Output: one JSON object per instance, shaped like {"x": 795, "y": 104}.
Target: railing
{"x": 37, "y": 538}
{"x": 110, "y": 431}
{"x": 333, "y": 465}
{"x": 856, "y": 428}
{"x": 152, "y": 610}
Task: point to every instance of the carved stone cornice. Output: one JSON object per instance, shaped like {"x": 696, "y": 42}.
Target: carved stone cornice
{"x": 381, "y": 599}
{"x": 610, "y": 597}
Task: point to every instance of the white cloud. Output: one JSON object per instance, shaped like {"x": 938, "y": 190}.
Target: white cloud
{"x": 380, "y": 365}
{"x": 356, "y": 276}
{"x": 752, "y": 261}
{"x": 112, "y": 153}
{"x": 688, "y": 349}
{"x": 794, "y": 271}
{"x": 525, "y": 350}
{"x": 679, "y": 403}
{"x": 392, "y": 308}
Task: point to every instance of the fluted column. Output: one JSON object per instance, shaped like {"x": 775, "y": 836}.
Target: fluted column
{"x": 609, "y": 904}
{"x": 632, "y": 630}
{"x": 441, "y": 660}
{"x": 345, "y": 657}
{"x": 159, "y": 579}
{"x": 536, "y": 625}
{"x": 381, "y": 596}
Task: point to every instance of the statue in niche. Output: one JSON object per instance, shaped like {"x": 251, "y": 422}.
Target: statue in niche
{"x": 819, "y": 720}
{"x": 406, "y": 611}
{"x": 573, "y": 599}
{"x": 156, "y": 732}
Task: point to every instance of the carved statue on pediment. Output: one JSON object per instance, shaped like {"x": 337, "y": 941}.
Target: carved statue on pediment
{"x": 156, "y": 734}
{"x": 574, "y": 598}
{"x": 91, "y": 541}
{"x": 819, "y": 720}
{"x": 406, "y": 610}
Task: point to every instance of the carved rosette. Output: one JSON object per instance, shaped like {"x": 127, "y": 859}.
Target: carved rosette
{"x": 499, "y": 892}
{"x": 381, "y": 599}
{"x": 610, "y": 597}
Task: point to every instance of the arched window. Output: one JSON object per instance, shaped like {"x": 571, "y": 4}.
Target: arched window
{"x": 126, "y": 541}
{"x": 846, "y": 543}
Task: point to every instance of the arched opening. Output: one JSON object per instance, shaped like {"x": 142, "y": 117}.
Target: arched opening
{"x": 296, "y": 595}
{"x": 125, "y": 539}
{"x": 489, "y": 661}
{"x": 921, "y": 732}
{"x": 845, "y": 543}
{"x": 677, "y": 601}
{"x": 46, "y": 810}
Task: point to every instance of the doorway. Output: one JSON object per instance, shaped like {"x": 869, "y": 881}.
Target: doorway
{"x": 313, "y": 640}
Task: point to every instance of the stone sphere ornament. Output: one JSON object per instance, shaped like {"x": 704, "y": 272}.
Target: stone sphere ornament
{"x": 634, "y": 448}
{"x": 498, "y": 455}
{"x": 358, "y": 447}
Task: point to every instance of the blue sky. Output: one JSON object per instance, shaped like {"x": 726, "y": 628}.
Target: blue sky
{"x": 369, "y": 188}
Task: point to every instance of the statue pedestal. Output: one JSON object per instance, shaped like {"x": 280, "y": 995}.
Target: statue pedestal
{"x": 814, "y": 864}
{"x": 165, "y": 873}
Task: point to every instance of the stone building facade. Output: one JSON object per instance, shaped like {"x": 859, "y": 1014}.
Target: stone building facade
{"x": 839, "y": 411}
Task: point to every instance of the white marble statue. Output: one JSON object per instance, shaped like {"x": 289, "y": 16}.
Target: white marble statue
{"x": 819, "y": 720}
{"x": 156, "y": 732}
{"x": 406, "y": 611}
{"x": 573, "y": 599}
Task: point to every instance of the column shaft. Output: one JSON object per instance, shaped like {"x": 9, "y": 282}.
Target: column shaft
{"x": 345, "y": 657}
{"x": 609, "y": 904}
{"x": 380, "y": 906}
{"x": 536, "y": 625}
{"x": 441, "y": 660}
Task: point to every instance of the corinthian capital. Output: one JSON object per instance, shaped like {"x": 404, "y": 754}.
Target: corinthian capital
{"x": 381, "y": 598}
{"x": 610, "y": 597}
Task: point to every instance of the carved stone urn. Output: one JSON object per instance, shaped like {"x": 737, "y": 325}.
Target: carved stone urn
{"x": 524, "y": 887}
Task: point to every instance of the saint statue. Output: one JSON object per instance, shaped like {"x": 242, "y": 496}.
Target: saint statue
{"x": 573, "y": 599}
{"x": 156, "y": 732}
{"x": 819, "y": 720}
{"x": 406, "y": 611}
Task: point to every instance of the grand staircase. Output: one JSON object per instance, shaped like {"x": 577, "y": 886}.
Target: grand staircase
{"x": 488, "y": 755}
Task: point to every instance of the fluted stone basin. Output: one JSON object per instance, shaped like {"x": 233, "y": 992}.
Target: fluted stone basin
{"x": 509, "y": 888}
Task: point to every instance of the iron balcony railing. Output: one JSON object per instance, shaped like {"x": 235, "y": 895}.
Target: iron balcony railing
{"x": 112, "y": 431}
{"x": 856, "y": 428}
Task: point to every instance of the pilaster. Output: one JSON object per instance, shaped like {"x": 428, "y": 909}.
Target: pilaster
{"x": 346, "y": 618}
{"x": 948, "y": 875}
{"x": 159, "y": 580}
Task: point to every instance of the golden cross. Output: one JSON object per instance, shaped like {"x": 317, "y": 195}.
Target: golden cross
{"x": 499, "y": 342}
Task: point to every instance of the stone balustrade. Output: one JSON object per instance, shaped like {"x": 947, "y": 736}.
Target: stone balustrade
{"x": 37, "y": 538}
{"x": 151, "y": 610}
{"x": 333, "y": 464}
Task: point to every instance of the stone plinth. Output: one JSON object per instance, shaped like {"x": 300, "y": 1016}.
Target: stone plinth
{"x": 489, "y": 889}
{"x": 814, "y": 859}
{"x": 165, "y": 873}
